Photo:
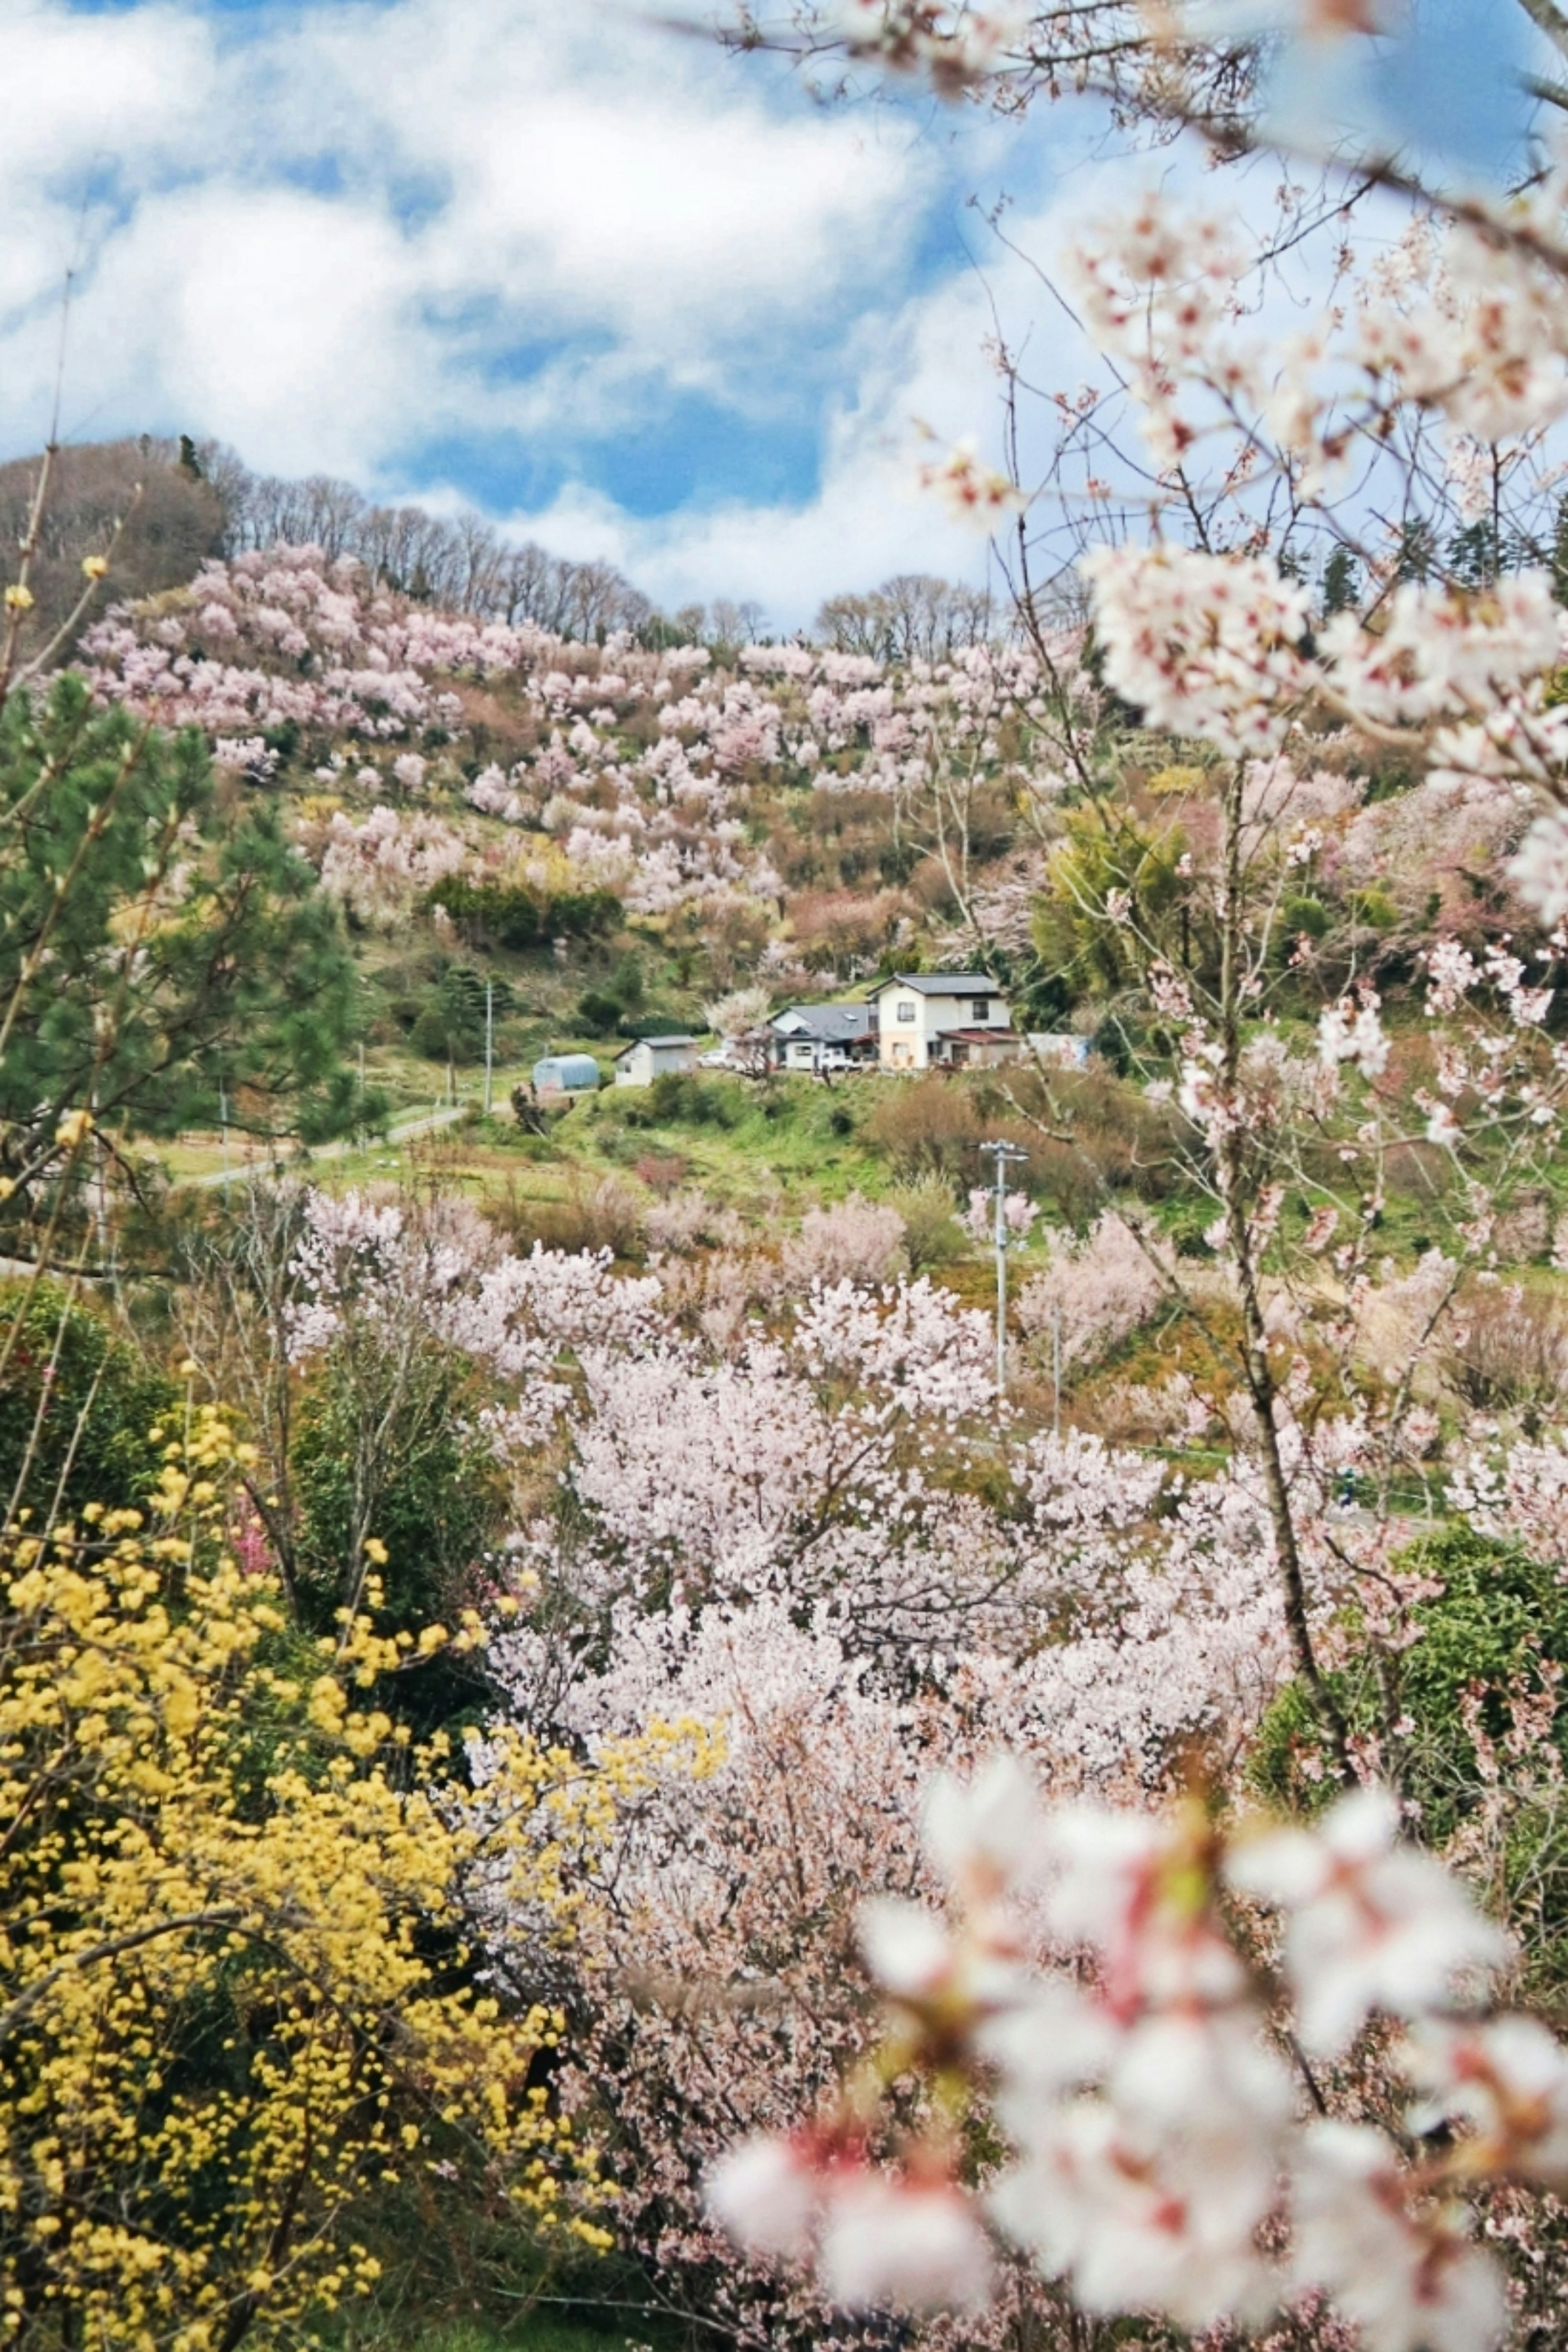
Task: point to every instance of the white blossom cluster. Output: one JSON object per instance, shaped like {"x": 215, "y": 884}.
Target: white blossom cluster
{"x": 1098, "y": 1980}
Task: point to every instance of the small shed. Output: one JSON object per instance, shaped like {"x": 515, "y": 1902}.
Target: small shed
{"x": 651, "y": 1057}
{"x": 1059, "y": 1045}
{"x": 566, "y": 1074}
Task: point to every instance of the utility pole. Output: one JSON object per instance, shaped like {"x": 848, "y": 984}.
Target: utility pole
{"x": 489, "y": 1039}
{"x": 1005, "y": 1156}
{"x": 223, "y": 1122}
{"x": 1057, "y": 1369}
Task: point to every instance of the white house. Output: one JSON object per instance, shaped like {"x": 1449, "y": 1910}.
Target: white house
{"x": 942, "y": 1018}
{"x": 824, "y": 1036}
{"x": 653, "y": 1057}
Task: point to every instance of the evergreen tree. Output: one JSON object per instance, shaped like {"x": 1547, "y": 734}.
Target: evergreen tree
{"x": 1416, "y": 555}
{"x": 1476, "y": 554}
{"x": 1558, "y": 557}
{"x": 161, "y": 949}
{"x": 1341, "y": 583}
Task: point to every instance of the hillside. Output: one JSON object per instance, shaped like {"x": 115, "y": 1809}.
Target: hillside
{"x": 587, "y": 841}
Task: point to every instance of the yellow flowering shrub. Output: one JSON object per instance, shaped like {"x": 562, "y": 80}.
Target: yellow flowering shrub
{"x": 236, "y": 2003}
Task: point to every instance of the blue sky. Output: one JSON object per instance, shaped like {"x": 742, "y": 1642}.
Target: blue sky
{"x": 623, "y": 292}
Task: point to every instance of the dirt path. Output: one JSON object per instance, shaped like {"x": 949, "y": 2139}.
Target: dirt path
{"x": 424, "y": 1124}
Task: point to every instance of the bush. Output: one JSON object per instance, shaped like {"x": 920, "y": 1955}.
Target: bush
{"x": 678, "y": 1223}
{"x": 655, "y": 1025}
{"x": 395, "y": 1449}
{"x": 682, "y": 1098}
{"x": 661, "y": 1175}
{"x": 502, "y": 915}
{"x": 229, "y": 2092}
{"x": 1498, "y": 1627}
{"x": 1509, "y": 1350}
{"x": 929, "y": 1128}
{"x": 1120, "y": 1139}
{"x": 606, "y": 1214}
{"x": 935, "y": 1127}
{"x": 599, "y": 1013}
{"x": 75, "y": 1405}
{"x": 933, "y": 1237}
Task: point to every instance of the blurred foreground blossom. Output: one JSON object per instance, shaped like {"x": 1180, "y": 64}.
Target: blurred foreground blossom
{"x": 1096, "y": 1986}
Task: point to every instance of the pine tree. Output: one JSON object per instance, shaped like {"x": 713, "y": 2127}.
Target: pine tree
{"x": 162, "y": 951}
{"x": 1341, "y": 583}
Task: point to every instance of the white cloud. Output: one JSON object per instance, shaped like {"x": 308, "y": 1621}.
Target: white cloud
{"x": 237, "y": 307}
{"x": 624, "y": 177}
{"x": 324, "y": 235}
{"x": 500, "y": 179}
{"x": 926, "y": 364}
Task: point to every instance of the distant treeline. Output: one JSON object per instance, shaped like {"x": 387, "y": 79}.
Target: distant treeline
{"x": 164, "y": 534}
{"x": 460, "y": 563}
{"x": 177, "y": 502}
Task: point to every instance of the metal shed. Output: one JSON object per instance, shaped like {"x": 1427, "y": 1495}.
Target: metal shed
{"x": 653, "y": 1057}
{"x": 566, "y": 1074}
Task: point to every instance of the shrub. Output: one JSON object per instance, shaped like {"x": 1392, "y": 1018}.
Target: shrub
{"x": 395, "y": 1448}
{"x": 1488, "y": 1650}
{"x": 654, "y": 1024}
{"x": 502, "y": 915}
{"x": 1509, "y": 1350}
{"x": 1121, "y": 1142}
{"x": 933, "y": 1237}
{"x": 661, "y": 1175}
{"x": 76, "y": 1404}
{"x": 245, "y": 2025}
{"x": 606, "y": 1214}
{"x": 929, "y": 1128}
{"x": 678, "y": 1223}
{"x": 599, "y": 1013}
{"x": 680, "y": 1098}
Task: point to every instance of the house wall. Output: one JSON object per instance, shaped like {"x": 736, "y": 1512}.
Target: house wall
{"x": 903, "y": 1037}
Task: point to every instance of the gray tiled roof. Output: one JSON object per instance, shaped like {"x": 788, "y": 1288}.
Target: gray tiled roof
{"x": 942, "y": 984}
{"x": 828, "y": 1024}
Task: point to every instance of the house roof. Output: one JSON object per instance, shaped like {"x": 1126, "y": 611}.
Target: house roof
{"x": 983, "y": 1036}
{"x": 941, "y": 983}
{"x": 828, "y": 1024}
{"x": 655, "y": 1042}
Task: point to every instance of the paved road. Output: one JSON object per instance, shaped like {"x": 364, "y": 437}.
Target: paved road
{"x": 425, "y": 1125}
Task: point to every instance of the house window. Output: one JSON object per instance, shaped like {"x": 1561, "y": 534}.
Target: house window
{"x": 980, "y": 1009}
{"x": 906, "y": 1012}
